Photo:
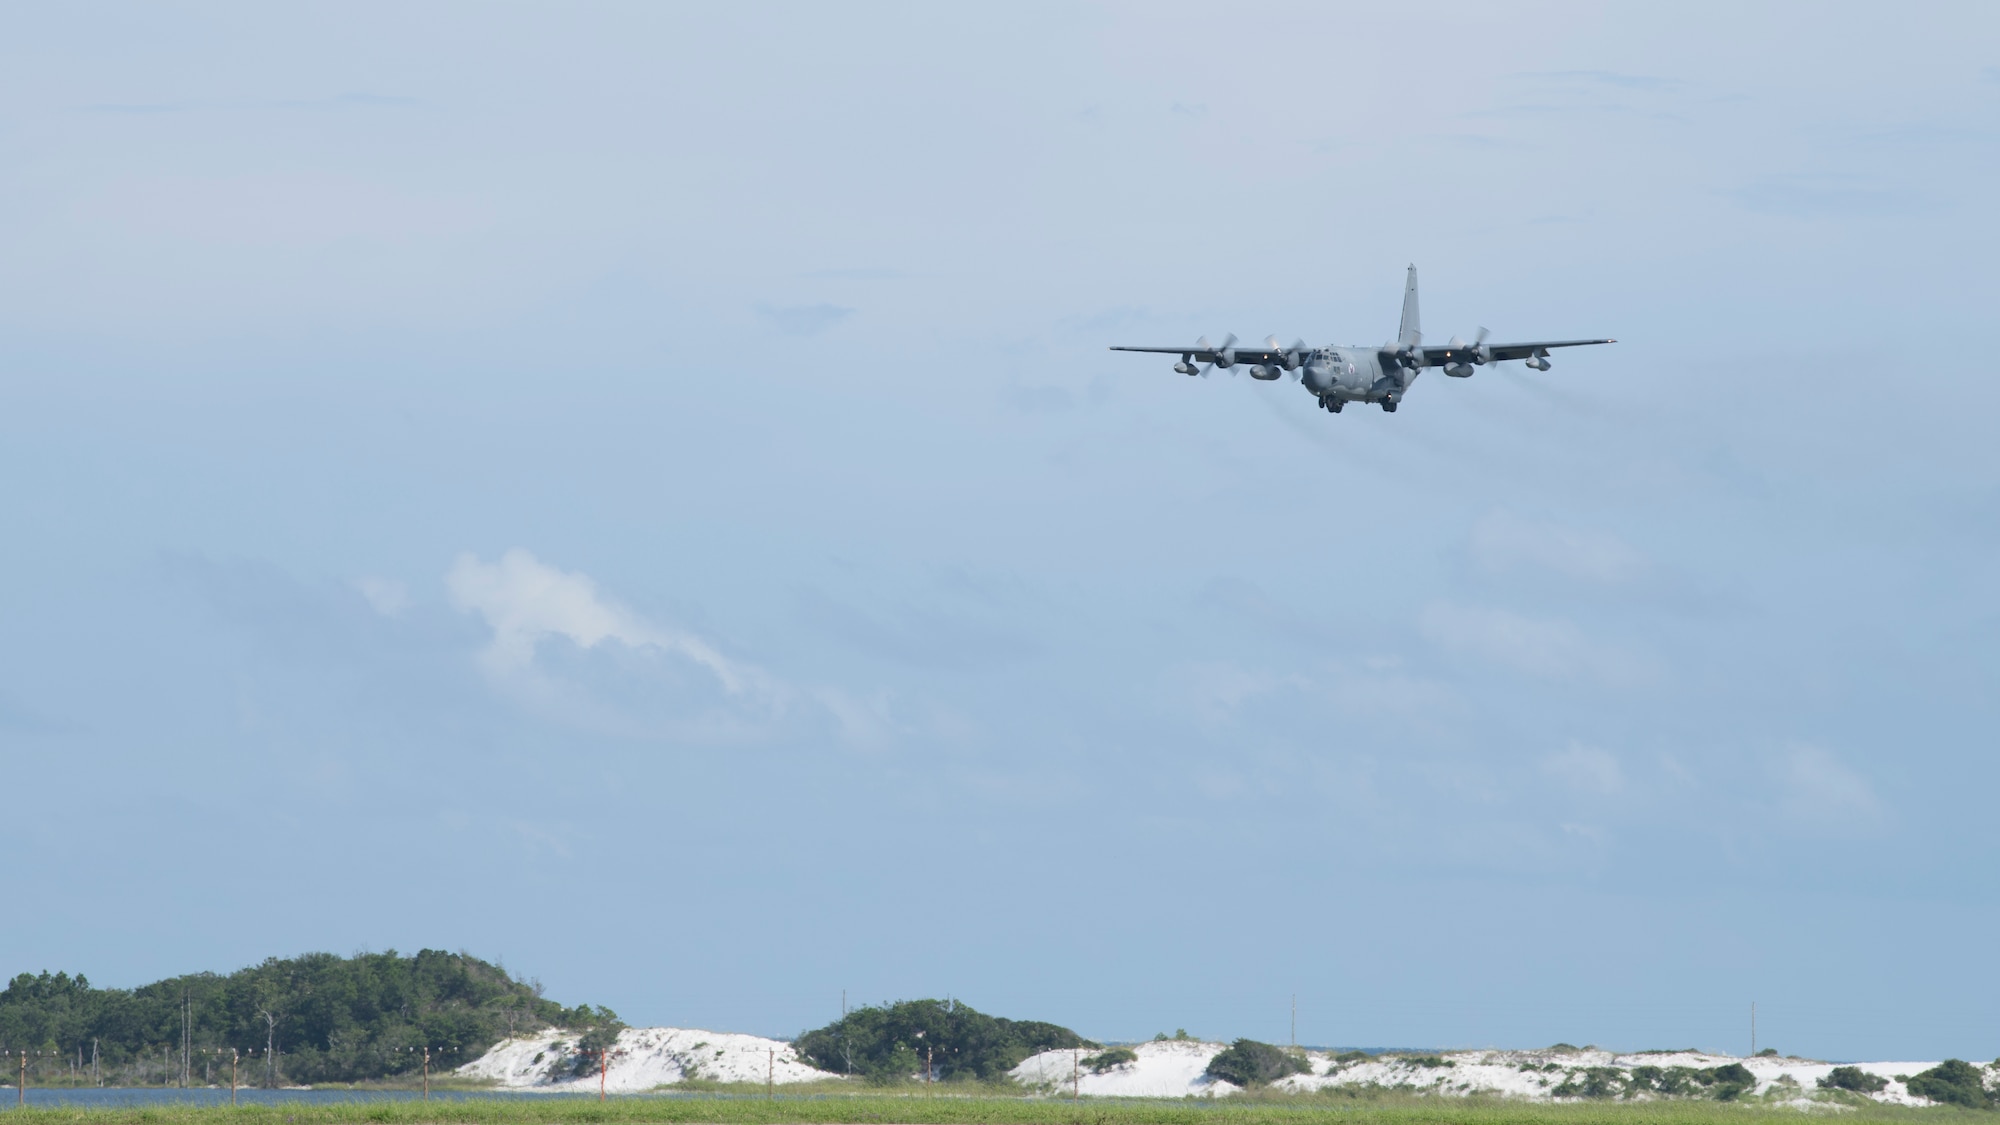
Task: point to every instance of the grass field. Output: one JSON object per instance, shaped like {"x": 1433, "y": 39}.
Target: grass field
{"x": 1389, "y": 1109}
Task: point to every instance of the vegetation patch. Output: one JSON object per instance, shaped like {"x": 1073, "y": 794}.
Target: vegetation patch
{"x": 889, "y": 1043}
{"x": 1247, "y": 1062}
{"x": 1853, "y": 1078}
{"x": 1116, "y": 1056}
{"x": 1953, "y": 1082}
{"x": 329, "y": 1019}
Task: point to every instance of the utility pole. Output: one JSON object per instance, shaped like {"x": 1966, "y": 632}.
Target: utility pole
{"x": 1075, "y": 1074}
{"x": 927, "y": 1070}
{"x": 233, "y": 1055}
{"x": 771, "y": 1075}
{"x": 603, "y": 1067}
{"x": 1295, "y": 1019}
{"x": 1753, "y": 1029}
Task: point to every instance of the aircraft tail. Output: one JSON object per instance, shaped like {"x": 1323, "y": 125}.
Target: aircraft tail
{"x": 1411, "y": 332}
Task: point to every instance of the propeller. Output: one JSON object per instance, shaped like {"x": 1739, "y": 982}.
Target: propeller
{"x": 1476, "y": 351}
{"x": 1289, "y": 358}
{"x": 1225, "y": 353}
{"x": 1461, "y": 356}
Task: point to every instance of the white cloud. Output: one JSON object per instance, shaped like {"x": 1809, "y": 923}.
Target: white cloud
{"x": 658, "y": 681}
{"x": 1216, "y": 690}
{"x": 631, "y": 676}
{"x": 1502, "y": 541}
{"x": 526, "y": 602}
{"x": 387, "y": 596}
{"x": 1585, "y": 768}
{"x": 1816, "y": 789}
{"x": 1545, "y": 649}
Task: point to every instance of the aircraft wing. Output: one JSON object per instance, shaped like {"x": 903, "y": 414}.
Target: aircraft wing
{"x": 1437, "y": 355}
{"x": 1208, "y": 355}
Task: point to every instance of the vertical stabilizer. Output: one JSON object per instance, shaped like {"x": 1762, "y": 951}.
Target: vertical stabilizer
{"x": 1412, "y": 332}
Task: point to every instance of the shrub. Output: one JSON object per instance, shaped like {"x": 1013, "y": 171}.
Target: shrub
{"x": 1731, "y": 1081}
{"x": 1351, "y": 1056}
{"x": 1766, "y": 1053}
{"x": 1247, "y": 1062}
{"x": 1116, "y": 1056}
{"x": 1593, "y": 1082}
{"x": 1678, "y": 1081}
{"x": 1853, "y": 1078}
{"x": 886, "y": 1044}
{"x": 1953, "y": 1082}
{"x": 1428, "y": 1061}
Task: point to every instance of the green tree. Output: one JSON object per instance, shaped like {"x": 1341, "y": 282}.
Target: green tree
{"x": 1953, "y": 1082}
{"x": 1852, "y": 1078}
{"x": 1247, "y": 1062}
{"x": 331, "y": 1018}
{"x": 888, "y": 1043}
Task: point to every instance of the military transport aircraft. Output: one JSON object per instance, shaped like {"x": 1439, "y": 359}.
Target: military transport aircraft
{"x": 1337, "y": 376}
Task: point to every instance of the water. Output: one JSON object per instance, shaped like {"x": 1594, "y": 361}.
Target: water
{"x": 89, "y": 1097}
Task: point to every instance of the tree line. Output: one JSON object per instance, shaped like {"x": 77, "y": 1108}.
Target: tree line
{"x": 313, "y": 1018}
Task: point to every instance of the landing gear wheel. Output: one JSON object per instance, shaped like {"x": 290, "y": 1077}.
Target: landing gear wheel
{"x": 1334, "y": 405}
{"x": 1388, "y": 406}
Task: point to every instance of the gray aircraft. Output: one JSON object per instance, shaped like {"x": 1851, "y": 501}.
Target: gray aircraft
{"x": 1337, "y": 376}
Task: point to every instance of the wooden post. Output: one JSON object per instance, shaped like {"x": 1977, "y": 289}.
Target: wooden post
{"x": 233, "y": 1055}
{"x": 21, "y": 1091}
{"x": 1075, "y": 1074}
{"x": 927, "y": 1070}
{"x": 427, "y": 1074}
{"x": 771, "y": 1075}
{"x": 603, "y": 1065}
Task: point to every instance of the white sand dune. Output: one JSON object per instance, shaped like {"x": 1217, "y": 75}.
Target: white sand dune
{"x": 1175, "y": 1069}
{"x": 642, "y": 1059}
{"x": 648, "y": 1058}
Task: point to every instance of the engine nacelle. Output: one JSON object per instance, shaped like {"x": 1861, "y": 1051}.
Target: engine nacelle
{"x": 1265, "y": 373}
{"x": 1458, "y": 370}
{"x": 1539, "y": 363}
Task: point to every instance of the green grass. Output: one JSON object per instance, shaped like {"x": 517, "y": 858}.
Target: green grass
{"x": 1388, "y": 1108}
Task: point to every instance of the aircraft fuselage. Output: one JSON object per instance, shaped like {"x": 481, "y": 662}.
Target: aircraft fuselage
{"x": 1353, "y": 375}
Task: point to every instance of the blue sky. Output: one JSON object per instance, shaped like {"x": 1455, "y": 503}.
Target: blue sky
{"x": 641, "y": 492}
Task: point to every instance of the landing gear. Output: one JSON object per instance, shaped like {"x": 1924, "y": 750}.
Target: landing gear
{"x": 1388, "y": 406}
{"x": 1328, "y": 402}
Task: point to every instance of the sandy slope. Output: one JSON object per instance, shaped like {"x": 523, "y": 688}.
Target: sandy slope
{"x": 1164, "y": 1070}
{"x": 643, "y": 1058}
{"x": 649, "y": 1057}
{"x": 1174, "y": 1069}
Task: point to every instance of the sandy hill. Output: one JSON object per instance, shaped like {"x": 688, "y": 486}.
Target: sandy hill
{"x": 644, "y": 1058}
{"x": 1175, "y": 1069}
{"x": 647, "y": 1058}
